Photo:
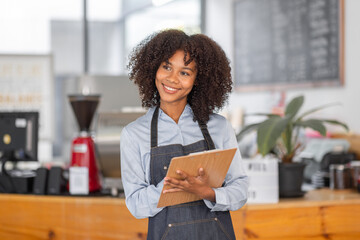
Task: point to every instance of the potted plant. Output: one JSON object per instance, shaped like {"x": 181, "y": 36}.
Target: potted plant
{"x": 280, "y": 135}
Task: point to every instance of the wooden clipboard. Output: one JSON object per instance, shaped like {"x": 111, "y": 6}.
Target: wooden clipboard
{"x": 215, "y": 163}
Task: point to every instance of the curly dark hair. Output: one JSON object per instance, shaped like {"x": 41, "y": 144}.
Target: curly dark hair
{"x": 213, "y": 82}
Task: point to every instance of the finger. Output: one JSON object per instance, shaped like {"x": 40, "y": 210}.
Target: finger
{"x": 172, "y": 190}
{"x": 174, "y": 185}
{"x": 182, "y": 174}
{"x": 168, "y": 181}
{"x": 201, "y": 172}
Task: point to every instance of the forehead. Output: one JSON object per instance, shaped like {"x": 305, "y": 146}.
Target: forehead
{"x": 179, "y": 57}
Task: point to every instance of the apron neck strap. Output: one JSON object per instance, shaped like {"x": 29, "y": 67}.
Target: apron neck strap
{"x": 154, "y": 131}
{"x": 154, "y": 128}
{"x": 206, "y": 134}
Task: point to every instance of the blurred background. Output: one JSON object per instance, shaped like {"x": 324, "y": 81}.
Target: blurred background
{"x": 49, "y": 49}
{"x": 278, "y": 50}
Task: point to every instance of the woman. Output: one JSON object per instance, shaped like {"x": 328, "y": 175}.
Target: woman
{"x": 182, "y": 80}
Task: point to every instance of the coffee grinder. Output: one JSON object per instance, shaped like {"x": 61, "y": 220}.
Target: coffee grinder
{"x": 83, "y": 146}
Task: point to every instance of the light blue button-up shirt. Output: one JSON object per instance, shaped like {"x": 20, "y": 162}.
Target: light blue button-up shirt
{"x": 141, "y": 196}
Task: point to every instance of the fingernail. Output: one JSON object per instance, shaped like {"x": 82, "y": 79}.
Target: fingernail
{"x": 178, "y": 171}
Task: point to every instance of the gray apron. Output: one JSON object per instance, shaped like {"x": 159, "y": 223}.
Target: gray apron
{"x": 192, "y": 220}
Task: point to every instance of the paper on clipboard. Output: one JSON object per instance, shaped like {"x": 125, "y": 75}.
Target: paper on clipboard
{"x": 215, "y": 163}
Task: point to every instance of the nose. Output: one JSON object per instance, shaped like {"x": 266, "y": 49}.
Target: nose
{"x": 172, "y": 77}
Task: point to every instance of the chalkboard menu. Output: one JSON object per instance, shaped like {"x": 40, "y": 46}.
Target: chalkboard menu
{"x": 288, "y": 43}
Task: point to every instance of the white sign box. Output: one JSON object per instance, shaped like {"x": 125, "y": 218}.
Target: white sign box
{"x": 263, "y": 180}
{"x": 79, "y": 180}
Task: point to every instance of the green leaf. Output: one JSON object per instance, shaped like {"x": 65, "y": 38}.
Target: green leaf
{"x": 293, "y": 106}
{"x": 268, "y": 133}
{"x": 269, "y": 115}
{"x": 287, "y": 138}
{"x": 316, "y": 109}
{"x": 315, "y": 124}
{"x": 246, "y": 130}
{"x": 335, "y": 122}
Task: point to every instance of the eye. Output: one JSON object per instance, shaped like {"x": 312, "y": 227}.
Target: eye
{"x": 166, "y": 67}
{"x": 185, "y": 73}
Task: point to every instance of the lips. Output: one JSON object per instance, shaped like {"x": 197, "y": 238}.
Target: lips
{"x": 170, "y": 90}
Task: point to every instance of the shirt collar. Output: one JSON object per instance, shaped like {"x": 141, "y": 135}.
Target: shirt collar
{"x": 186, "y": 113}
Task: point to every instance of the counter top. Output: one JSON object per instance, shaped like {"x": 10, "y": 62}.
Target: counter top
{"x": 64, "y": 199}
{"x": 323, "y": 197}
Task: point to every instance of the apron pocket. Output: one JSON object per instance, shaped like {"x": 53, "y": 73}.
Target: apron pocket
{"x": 207, "y": 229}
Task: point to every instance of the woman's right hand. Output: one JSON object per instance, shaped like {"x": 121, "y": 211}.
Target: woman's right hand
{"x": 198, "y": 185}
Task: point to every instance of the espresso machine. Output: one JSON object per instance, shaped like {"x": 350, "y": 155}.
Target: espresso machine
{"x": 83, "y": 147}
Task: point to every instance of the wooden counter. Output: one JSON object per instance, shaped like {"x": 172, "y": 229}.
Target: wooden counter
{"x": 321, "y": 214}
{"x": 66, "y": 217}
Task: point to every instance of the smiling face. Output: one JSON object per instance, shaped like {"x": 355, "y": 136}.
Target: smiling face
{"x": 174, "y": 81}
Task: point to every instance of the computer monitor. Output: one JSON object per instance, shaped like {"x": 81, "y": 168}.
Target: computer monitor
{"x": 19, "y": 136}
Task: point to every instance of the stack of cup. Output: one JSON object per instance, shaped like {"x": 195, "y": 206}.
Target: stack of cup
{"x": 355, "y": 170}
{"x": 340, "y": 176}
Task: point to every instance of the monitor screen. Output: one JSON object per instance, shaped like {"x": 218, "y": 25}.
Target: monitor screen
{"x": 19, "y": 136}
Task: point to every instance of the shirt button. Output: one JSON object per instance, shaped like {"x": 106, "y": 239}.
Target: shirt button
{"x": 165, "y": 167}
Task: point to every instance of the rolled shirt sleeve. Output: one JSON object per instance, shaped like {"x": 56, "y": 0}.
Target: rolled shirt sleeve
{"x": 141, "y": 197}
{"x": 233, "y": 195}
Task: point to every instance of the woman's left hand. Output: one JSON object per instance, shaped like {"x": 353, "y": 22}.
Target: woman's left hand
{"x": 198, "y": 185}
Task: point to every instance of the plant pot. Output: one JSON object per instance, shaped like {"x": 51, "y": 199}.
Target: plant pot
{"x": 291, "y": 176}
